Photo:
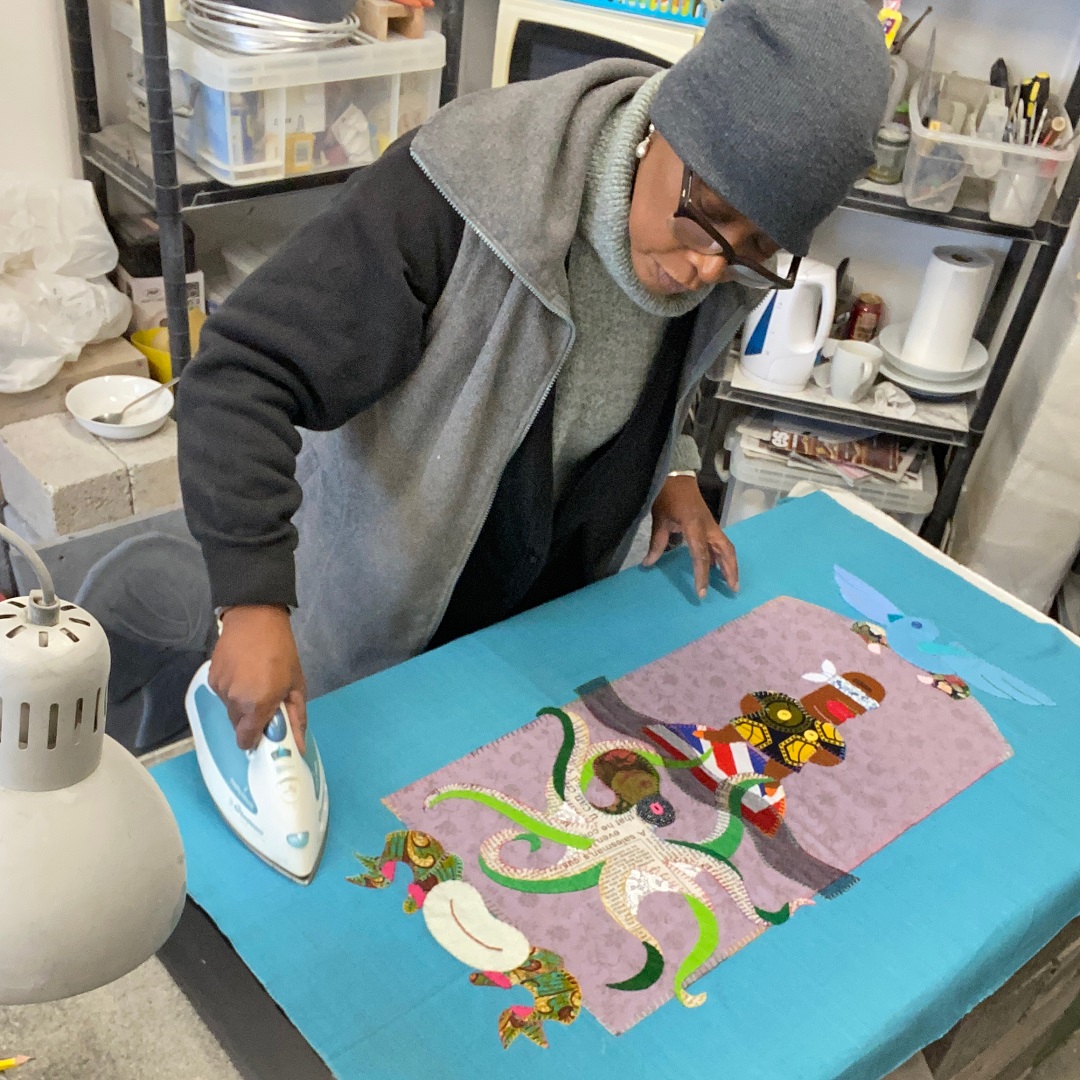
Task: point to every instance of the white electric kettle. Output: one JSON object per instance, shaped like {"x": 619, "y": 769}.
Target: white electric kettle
{"x": 784, "y": 334}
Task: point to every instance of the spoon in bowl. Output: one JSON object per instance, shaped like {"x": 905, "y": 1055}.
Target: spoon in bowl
{"x": 118, "y": 417}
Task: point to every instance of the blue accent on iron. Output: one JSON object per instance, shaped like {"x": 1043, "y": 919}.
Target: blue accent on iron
{"x": 311, "y": 759}
{"x": 277, "y": 728}
{"x": 231, "y": 761}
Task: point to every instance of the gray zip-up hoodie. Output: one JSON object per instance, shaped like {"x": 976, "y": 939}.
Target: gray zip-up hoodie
{"x": 394, "y": 499}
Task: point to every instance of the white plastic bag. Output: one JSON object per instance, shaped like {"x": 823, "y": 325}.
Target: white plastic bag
{"x": 29, "y": 354}
{"x": 46, "y": 319}
{"x": 53, "y": 225}
{"x": 54, "y": 252}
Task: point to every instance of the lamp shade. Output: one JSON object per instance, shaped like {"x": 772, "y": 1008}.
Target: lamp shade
{"x": 92, "y": 877}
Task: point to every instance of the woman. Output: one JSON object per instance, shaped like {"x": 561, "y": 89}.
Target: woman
{"x": 492, "y": 339}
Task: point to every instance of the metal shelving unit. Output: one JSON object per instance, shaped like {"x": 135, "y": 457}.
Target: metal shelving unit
{"x": 149, "y": 168}
{"x": 123, "y": 153}
{"x": 1047, "y": 237}
{"x": 915, "y": 428}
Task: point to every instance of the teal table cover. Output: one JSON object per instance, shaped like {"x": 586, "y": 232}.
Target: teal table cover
{"x": 849, "y": 988}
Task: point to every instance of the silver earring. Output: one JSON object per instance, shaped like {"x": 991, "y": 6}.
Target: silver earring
{"x": 643, "y": 147}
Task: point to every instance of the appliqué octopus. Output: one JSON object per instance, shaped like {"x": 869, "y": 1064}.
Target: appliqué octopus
{"x": 616, "y": 849}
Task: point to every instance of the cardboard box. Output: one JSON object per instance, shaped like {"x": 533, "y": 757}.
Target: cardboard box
{"x": 148, "y": 297}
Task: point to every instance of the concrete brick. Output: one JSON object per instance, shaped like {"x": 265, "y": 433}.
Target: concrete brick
{"x": 116, "y": 357}
{"x": 59, "y": 478}
{"x": 152, "y": 469}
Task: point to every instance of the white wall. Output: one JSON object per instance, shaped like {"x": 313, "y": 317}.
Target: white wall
{"x": 37, "y": 119}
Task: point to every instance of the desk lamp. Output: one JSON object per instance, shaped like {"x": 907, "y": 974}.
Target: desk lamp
{"x": 92, "y": 875}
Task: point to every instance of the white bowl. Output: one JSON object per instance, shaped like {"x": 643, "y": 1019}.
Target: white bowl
{"x": 891, "y": 341}
{"x": 110, "y": 393}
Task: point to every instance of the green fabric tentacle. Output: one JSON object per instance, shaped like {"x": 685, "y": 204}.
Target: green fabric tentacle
{"x": 586, "y": 879}
{"x": 647, "y": 976}
{"x": 533, "y": 824}
{"x": 562, "y": 759}
{"x": 708, "y": 939}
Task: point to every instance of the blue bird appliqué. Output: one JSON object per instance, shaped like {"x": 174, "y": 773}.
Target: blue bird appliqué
{"x": 916, "y": 639}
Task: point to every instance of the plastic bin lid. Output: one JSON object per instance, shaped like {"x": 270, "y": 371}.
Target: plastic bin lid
{"x": 237, "y": 73}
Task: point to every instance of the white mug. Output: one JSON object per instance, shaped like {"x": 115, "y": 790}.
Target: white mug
{"x": 854, "y": 367}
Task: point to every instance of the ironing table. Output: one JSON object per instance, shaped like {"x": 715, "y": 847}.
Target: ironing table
{"x": 331, "y": 980}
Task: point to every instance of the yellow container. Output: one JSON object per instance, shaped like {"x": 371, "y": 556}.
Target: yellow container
{"x": 154, "y": 345}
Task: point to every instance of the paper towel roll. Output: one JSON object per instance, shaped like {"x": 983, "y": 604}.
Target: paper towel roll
{"x": 952, "y": 295}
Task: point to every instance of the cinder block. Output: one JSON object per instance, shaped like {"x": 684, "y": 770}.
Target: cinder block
{"x": 116, "y": 357}
{"x": 59, "y": 478}
{"x": 152, "y": 469}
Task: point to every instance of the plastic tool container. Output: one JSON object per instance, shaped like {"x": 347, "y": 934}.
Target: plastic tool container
{"x": 758, "y": 485}
{"x": 938, "y": 162}
{"x": 246, "y": 119}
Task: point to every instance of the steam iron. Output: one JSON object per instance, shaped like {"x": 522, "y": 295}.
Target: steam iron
{"x": 273, "y": 797}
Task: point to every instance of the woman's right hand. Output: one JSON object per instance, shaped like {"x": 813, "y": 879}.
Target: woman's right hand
{"x": 256, "y": 668}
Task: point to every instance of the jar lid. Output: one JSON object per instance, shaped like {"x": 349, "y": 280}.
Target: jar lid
{"x": 894, "y": 134}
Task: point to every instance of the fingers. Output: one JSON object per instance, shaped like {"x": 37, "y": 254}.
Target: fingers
{"x": 248, "y": 714}
{"x": 701, "y": 556}
{"x": 250, "y": 720}
{"x": 296, "y": 710}
{"x": 723, "y": 553}
{"x": 255, "y": 668}
{"x": 661, "y": 534}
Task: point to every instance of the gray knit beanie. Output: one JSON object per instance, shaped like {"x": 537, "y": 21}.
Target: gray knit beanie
{"x": 777, "y": 106}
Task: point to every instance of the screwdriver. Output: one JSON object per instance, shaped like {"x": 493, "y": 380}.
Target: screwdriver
{"x": 1036, "y": 95}
{"x": 999, "y": 77}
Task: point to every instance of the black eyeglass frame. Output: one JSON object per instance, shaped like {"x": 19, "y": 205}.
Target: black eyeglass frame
{"x": 687, "y": 209}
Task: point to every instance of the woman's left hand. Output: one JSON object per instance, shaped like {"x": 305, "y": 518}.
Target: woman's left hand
{"x": 679, "y": 508}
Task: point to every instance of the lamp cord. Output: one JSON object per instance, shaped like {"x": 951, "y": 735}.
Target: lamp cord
{"x": 48, "y": 590}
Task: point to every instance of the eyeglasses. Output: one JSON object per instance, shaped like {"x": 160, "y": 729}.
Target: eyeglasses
{"x": 693, "y": 229}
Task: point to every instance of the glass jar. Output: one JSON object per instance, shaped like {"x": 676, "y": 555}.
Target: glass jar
{"x": 890, "y": 153}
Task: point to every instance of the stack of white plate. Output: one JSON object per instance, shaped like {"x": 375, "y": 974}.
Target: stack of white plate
{"x": 929, "y": 383}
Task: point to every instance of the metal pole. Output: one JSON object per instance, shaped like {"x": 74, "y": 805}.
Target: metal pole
{"x": 1003, "y": 289}
{"x": 77, "y": 15}
{"x": 84, "y": 80}
{"x": 1060, "y": 220}
{"x": 166, "y": 185}
{"x": 453, "y": 25}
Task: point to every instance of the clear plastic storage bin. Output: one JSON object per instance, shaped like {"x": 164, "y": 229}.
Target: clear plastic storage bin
{"x": 938, "y": 162}
{"x": 246, "y": 119}
{"x": 755, "y": 486}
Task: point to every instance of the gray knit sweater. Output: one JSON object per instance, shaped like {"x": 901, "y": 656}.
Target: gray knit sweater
{"x": 619, "y": 323}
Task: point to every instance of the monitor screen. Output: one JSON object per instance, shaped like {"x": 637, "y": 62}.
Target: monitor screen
{"x": 541, "y": 50}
